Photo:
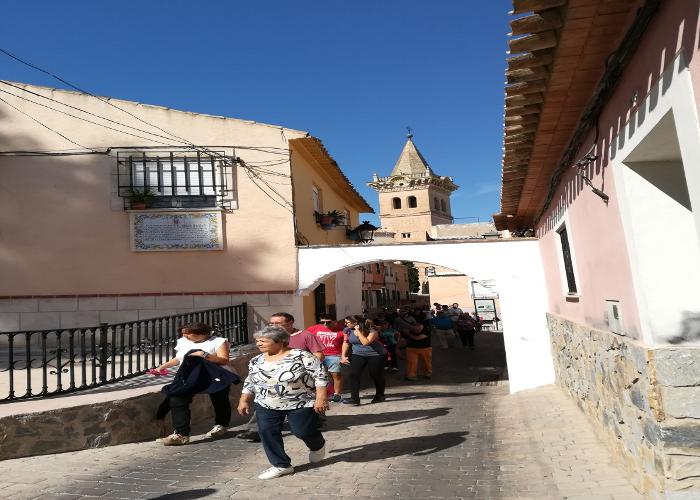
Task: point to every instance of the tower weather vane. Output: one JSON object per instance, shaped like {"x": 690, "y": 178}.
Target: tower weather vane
{"x": 410, "y": 132}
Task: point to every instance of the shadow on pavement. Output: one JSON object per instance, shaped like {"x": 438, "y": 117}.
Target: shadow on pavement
{"x": 186, "y": 495}
{"x": 416, "y": 446}
{"x": 387, "y": 419}
{"x": 400, "y": 396}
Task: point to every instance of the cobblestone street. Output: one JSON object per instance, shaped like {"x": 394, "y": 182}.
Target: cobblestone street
{"x": 458, "y": 436}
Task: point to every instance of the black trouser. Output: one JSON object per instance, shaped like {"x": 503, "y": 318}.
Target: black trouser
{"x": 467, "y": 337}
{"x": 180, "y": 410}
{"x": 375, "y": 365}
{"x": 394, "y": 361}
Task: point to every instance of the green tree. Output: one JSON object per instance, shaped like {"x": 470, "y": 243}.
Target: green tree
{"x": 413, "y": 281}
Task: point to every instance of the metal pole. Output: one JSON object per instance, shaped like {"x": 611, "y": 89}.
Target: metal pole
{"x": 103, "y": 352}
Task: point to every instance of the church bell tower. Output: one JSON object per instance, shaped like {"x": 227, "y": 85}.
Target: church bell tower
{"x": 413, "y": 198}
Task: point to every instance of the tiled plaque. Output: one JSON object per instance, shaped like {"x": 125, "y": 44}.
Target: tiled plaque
{"x": 176, "y": 231}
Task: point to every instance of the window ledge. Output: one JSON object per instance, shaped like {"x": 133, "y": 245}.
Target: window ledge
{"x": 183, "y": 209}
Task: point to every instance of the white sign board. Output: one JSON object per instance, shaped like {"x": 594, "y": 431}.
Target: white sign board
{"x": 485, "y": 308}
{"x": 176, "y": 231}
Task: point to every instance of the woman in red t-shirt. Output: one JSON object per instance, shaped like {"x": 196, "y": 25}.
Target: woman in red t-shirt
{"x": 331, "y": 336}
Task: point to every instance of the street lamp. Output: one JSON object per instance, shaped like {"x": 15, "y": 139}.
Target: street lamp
{"x": 364, "y": 233}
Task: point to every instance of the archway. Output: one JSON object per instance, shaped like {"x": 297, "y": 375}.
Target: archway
{"x": 514, "y": 265}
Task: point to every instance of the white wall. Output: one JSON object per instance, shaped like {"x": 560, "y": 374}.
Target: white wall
{"x": 348, "y": 292}
{"x": 514, "y": 265}
{"x": 656, "y": 174}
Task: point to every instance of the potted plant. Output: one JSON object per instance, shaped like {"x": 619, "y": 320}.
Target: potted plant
{"x": 330, "y": 219}
{"x": 142, "y": 199}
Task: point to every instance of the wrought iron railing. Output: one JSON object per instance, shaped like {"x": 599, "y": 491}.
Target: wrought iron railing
{"x": 40, "y": 363}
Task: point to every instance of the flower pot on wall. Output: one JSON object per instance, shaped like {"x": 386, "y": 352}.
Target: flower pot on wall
{"x": 326, "y": 221}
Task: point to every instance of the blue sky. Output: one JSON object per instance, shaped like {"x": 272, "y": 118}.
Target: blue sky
{"x": 353, "y": 73}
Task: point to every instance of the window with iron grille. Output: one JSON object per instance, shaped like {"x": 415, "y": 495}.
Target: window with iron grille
{"x": 176, "y": 179}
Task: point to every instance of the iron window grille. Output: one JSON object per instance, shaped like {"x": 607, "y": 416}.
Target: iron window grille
{"x": 177, "y": 179}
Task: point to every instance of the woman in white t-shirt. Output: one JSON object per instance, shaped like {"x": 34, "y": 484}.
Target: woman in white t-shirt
{"x": 213, "y": 349}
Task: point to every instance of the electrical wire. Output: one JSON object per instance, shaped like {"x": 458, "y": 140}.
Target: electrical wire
{"x": 82, "y": 91}
{"x": 189, "y": 144}
{"x": 81, "y": 118}
{"x": 252, "y": 178}
{"x": 108, "y": 102}
{"x": 79, "y": 109}
{"x": 42, "y": 124}
{"x": 267, "y": 163}
{"x": 254, "y": 174}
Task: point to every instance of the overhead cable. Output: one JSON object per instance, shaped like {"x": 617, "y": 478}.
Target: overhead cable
{"x": 81, "y": 118}
{"x": 189, "y": 144}
{"x": 82, "y": 91}
{"x": 42, "y": 124}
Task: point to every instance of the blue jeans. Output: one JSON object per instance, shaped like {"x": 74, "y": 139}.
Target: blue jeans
{"x": 303, "y": 422}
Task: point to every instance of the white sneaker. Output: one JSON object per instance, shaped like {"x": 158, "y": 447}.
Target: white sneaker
{"x": 274, "y": 472}
{"x": 217, "y": 430}
{"x": 173, "y": 439}
{"x": 318, "y": 455}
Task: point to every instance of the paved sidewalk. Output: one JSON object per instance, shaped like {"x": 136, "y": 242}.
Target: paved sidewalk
{"x": 458, "y": 436}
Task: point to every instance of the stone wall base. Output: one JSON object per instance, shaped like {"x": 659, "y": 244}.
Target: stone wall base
{"x": 123, "y": 420}
{"x": 644, "y": 403}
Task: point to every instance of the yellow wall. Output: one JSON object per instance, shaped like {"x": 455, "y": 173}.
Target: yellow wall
{"x": 309, "y": 309}
{"x": 450, "y": 289}
{"x": 306, "y": 174}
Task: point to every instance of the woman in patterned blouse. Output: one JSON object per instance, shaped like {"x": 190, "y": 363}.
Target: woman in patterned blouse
{"x": 285, "y": 383}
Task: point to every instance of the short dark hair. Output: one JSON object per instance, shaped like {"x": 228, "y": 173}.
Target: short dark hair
{"x": 284, "y": 315}
{"x": 197, "y": 328}
{"x": 326, "y": 316}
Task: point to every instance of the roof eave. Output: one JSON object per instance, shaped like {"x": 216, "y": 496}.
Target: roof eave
{"x": 323, "y": 158}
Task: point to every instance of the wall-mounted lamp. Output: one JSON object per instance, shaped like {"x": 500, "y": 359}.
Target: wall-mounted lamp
{"x": 581, "y": 166}
{"x": 364, "y": 233}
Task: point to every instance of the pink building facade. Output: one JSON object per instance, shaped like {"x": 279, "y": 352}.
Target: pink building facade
{"x": 601, "y": 164}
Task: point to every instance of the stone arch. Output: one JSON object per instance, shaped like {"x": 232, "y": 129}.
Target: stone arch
{"x": 412, "y": 202}
{"x": 514, "y": 265}
{"x": 396, "y": 203}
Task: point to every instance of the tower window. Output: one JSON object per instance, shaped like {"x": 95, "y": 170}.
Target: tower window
{"x": 436, "y": 203}
{"x": 396, "y": 202}
{"x": 443, "y": 207}
{"x": 405, "y": 235}
{"x": 412, "y": 202}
